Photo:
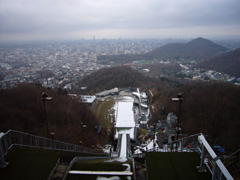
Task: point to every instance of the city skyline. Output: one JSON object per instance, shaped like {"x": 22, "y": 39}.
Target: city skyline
{"x": 68, "y": 20}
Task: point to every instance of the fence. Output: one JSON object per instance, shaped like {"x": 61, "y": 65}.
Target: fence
{"x": 197, "y": 143}
{"x": 186, "y": 144}
{"x": 16, "y": 138}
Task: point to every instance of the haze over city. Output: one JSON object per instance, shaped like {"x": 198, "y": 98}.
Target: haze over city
{"x": 69, "y": 20}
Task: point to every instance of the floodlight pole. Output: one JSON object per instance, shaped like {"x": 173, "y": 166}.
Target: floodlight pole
{"x": 154, "y": 134}
{"x": 69, "y": 106}
{"x": 83, "y": 126}
{"x": 45, "y": 98}
{"x": 179, "y": 99}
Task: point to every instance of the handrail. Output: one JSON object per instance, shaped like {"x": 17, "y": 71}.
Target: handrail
{"x": 238, "y": 151}
{"x": 53, "y": 143}
{"x": 217, "y": 162}
{"x": 208, "y": 156}
{"x": 53, "y": 170}
{"x": 16, "y": 138}
{"x": 185, "y": 138}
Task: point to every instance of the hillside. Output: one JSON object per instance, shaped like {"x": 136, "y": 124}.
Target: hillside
{"x": 122, "y": 58}
{"x": 211, "y": 108}
{"x": 228, "y": 63}
{"x": 196, "y": 49}
{"x": 108, "y": 78}
{"x": 22, "y": 110}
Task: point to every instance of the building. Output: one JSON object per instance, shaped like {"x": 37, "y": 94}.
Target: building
{"x": 114, "y": 91}
{"x": 88, "y": 99}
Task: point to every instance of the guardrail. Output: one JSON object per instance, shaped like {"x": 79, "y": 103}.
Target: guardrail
{"x": 117, "y": 152}
{"x": 212, "y": 161}
{"x": 128, "y": 146}
{"x": 189, "y": 143}
{"x": 197, "y": 143}
{"x": 16, "y": 138}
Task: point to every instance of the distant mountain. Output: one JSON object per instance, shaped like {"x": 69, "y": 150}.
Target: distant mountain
{"x": 228, "y": 63}
{"x": 198, "y": 49}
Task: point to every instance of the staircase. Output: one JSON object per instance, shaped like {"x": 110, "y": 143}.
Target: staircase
{"x": 233, "y": 164}
{"x": 234, "y": 167}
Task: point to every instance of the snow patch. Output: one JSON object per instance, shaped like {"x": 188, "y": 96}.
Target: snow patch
{"x": 112, "y": 178}
{"x": 108, "y": 178}
{"x": 124, "y": 113}
{"x": 128, "y": 167}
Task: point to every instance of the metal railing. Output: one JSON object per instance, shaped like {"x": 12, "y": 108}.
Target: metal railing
{"x": 209, "y": 159}
{"x": 212, "y": 161}
{"x": 198, "y": 143}
{"x": 20, "y": 139}
{"x": 186, "y": 144}
{"x": 117, "y": 152}
{"x": 77, "y": 159}
{"x": 54, "y": 169}
{"x": 233, "y": 155}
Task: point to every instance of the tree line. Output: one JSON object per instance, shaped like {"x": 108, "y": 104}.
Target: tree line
{"x": 22, "y": 109}
{"x": 211, "y": 108}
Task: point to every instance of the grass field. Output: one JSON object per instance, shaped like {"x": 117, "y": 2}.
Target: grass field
{"x": 32, "y": 163}
{"x": 29, "y": 164}
{"x": 103, "y": 109}
{"x": 174, "y": 166}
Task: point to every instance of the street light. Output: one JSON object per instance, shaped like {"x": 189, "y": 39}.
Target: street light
{"x": 83, "y": 126}
{"x": 154, "y": 129}
{"x": 179, "y": 100}
{"x": 73, "y": 99}
{"x": 45, "y": 98}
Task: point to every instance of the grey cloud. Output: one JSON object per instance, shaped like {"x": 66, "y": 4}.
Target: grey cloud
{"x": 49, "y": 16}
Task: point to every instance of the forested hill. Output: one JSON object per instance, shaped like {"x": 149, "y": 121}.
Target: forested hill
{"x": 228, "y": 63}
{"x": 198, "y": 49}
{"x": 211, "y": 108}
{"x": 22, "y": 110}
{"x": 107, "y": 78}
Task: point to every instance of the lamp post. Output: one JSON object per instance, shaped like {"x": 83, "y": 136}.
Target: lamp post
{"x": 154, "y": 135}
{"x": 179, "y": 100}
{"x": 154, "y": 129}
{"x": 45, "y": 98}
{"x": 83, "y": 126}
{"x": 113, "y": 127}
{"x": 73, "y": 99}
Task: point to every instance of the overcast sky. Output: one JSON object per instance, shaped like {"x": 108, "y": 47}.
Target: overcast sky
{"x": 74, "y": 19}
